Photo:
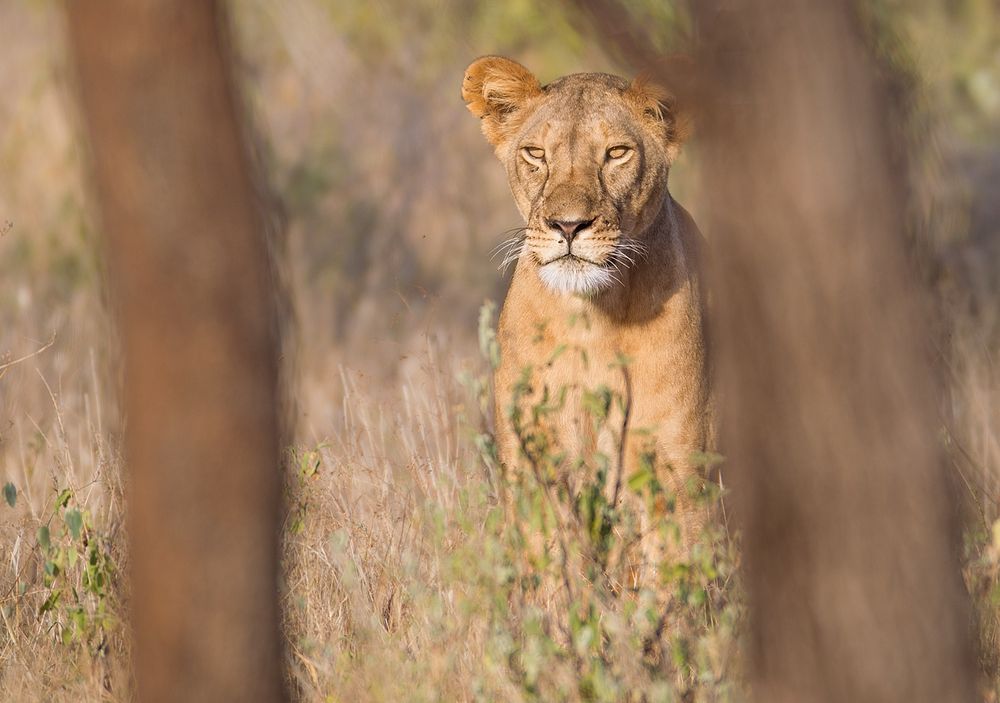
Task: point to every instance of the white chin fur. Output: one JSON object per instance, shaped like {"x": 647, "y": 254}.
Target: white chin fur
{"x": 575, "y": 277}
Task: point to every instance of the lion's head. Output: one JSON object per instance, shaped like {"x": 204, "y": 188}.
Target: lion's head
{"x": 587, "y": 158}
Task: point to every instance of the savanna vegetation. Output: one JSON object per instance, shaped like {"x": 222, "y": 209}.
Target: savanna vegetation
{"x": 414, "y": 568}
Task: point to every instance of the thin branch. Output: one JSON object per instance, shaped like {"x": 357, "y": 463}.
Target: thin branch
{"x": 9, "y": 364}
{"x": 620, "y": 469}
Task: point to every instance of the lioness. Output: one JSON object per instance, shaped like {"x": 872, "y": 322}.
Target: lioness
{"x": 607, "y": 263}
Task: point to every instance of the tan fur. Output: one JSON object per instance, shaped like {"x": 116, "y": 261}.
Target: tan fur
{"x": 652, "y": 312}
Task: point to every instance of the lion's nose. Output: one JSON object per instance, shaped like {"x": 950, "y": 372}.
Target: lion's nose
{"x": 570, "y": 228}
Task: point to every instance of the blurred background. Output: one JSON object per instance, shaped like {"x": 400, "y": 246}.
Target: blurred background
{"x": 390, "y": 203}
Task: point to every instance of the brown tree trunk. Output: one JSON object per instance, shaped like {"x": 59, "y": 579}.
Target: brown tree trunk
{"x": 829, "y": 399}
{"x": 189, "y": 277}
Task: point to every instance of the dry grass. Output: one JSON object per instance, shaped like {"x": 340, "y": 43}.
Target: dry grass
{"x": 365, "y": 591}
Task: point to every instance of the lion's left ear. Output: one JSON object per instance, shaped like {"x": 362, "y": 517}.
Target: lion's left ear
{"x": 496, "y": 90}
{"x": 655, "y": 103}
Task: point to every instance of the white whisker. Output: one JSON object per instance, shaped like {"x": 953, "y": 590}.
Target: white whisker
{"x": 505, "y": 246}
{"x": 619, "y": 254}
{"x": 511, "y": 256}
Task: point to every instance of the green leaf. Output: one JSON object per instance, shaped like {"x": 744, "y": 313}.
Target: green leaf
{"x": 559, "y": 351}
{"x": 698, "y": 597}
{"x": 43, "y": 537}
{"x": 79, "y": 619}
{"x": 50, "y": 602}
{"x": 74, "y": 521}
{"x": 10, "y": 494}
{"x": 63, "y": 498}
{"x": 706, "y": 460}
{"x": 640, "y": 479}
{"x": 597, "y": 402}
{"x": 621, "y": 361}
{"x": 679, "y": 653}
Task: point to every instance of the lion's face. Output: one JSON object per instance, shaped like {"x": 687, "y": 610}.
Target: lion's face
{"x": 587, "y": 159}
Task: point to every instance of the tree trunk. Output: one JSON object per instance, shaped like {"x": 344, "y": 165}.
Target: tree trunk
{"x": 190, "y": 282}
{"x": 829, "y": 399}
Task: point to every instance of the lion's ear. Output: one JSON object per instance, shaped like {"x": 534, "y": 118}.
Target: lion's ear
{"x": 497, "y": 90}
{"x": 657, "y": 104}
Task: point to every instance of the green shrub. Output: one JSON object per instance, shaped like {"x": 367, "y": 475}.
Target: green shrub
{"x": 554, "y": 573}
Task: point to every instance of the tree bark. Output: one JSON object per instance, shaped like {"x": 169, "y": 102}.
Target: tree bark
{"x": 829, "y": 398}
{"x": 190, "y": 280}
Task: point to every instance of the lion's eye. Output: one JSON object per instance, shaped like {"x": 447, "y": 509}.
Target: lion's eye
{"x": 534, "y": 153}
{"x": 618, "y": 152}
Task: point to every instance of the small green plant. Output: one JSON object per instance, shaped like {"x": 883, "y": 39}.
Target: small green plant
{"x": 575, "y": 614}
{"x": 307, "y": 463}
{"x": 78, "y": 575}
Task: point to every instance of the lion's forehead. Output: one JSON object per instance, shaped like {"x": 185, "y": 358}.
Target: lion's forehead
{"x": 580, "y": 126}
{"x": 581, "y": 109}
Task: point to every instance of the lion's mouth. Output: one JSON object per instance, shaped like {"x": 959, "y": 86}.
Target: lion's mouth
{"x": 573, "y": 258}
{"x": 575, "y": 274}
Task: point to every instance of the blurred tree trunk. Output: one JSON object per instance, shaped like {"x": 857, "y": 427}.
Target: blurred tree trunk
{"x": 828, "y": 396}
{"x": 190, "y": 281}
{"x": 829, "y": 399}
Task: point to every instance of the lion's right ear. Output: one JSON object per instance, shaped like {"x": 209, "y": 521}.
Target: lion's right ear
{"x": 497, "y": 90}
{"x": 655, "y": 103}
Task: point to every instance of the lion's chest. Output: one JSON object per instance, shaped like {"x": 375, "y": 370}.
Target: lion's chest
{"x": 571, "y": 364}
{"x": 571, "y": 380}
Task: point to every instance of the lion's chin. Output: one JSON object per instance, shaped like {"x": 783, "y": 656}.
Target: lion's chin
{"x": 572, "y": 276}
